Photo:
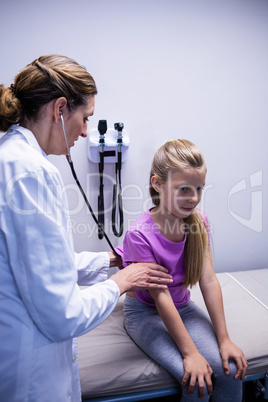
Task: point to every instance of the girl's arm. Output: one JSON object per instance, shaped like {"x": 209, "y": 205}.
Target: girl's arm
{"x": 196, "y": 368}
{"x": 212, "y": 295}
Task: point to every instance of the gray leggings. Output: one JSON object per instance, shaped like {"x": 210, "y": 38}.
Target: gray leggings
{"x": 146, "y": 328}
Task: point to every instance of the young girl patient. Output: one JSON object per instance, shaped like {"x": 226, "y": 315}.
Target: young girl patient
{"x": 166, "y": 324}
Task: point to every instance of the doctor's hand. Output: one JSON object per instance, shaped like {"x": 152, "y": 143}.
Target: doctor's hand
{"x": 140, "y": 276}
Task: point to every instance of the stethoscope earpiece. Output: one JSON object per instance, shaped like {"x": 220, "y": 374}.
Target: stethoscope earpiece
{"x": 65, "y": 136}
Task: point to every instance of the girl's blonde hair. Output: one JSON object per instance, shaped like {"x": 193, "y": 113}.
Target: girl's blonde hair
{"x": 49, "y": 77}
{"x": 182, "y": 155}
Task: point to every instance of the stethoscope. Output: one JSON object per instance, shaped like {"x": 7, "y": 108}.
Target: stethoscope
{"x": 69, "y": 159}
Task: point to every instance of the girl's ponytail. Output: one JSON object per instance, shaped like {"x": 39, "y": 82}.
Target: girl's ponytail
{"x": 195, "y": 248}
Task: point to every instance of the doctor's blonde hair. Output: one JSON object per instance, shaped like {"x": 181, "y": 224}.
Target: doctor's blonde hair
{"x": 181, "y": 155}
{"x": 49, "y": 77}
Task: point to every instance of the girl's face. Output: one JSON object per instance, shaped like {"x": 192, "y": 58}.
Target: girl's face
{"x": 181, "y": 193}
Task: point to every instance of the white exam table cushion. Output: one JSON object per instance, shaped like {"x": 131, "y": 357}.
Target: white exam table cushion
{"x": 110, "y": 363}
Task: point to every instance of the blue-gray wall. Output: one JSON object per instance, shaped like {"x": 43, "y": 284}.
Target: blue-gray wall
{"x": 194, "y": 69}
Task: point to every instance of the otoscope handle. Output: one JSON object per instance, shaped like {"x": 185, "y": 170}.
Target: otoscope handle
{"x": 119, "y": 160}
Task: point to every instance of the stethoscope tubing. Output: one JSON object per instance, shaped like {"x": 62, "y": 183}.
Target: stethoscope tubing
{"x": 117, "y": 199}
{"x": 69, "y": 159}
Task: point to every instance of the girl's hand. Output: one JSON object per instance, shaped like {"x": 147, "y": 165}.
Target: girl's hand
{"x": 229, "y": 350}
{"x": 115, "y": 261}
{"x": 197, "y": 369}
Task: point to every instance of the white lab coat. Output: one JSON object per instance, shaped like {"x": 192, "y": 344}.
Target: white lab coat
{"x": 41, "y": 306}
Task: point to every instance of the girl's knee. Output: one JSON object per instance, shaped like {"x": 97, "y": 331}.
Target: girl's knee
{"x": 226, "y": 387}
{"x": 232, "y": 372}
{"x": 233, "y": 368}
{"x": 218, "y": 370}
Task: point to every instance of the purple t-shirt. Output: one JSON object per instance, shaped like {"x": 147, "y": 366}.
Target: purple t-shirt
{"x": 145, "y": 243}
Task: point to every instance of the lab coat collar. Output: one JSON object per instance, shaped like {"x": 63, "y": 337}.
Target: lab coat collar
{"x": 29, "y": 136}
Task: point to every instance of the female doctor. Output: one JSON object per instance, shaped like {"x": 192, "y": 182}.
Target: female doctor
{"x": 42, "y": 309}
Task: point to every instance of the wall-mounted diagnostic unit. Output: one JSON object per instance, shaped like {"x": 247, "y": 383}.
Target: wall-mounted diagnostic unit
{"x": 107, "y": 145}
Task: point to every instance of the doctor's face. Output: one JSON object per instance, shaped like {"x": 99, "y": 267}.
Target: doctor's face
{"x": 76, "y": 122}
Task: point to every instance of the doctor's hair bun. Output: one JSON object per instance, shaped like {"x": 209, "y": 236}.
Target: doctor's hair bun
{"x": 47, "y": 78}
{"x": 50, "y": 77}
{"x": 10, "y": 107}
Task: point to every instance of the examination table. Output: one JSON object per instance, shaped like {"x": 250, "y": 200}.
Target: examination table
{"x": 113, "y": 368}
